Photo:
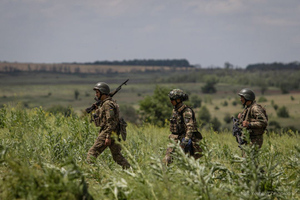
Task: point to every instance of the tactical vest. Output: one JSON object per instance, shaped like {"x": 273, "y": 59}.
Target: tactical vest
{"x": 177, "y": 124}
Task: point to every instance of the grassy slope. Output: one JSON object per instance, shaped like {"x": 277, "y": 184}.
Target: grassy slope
{"x": 43, "y": 156}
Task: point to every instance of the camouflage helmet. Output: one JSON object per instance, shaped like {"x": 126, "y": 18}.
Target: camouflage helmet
{"x": 247, "y": 94}
{"x": 178, "y": 94}
{"x": 102, "y": 87}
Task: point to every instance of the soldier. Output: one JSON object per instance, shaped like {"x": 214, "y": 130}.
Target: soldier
{"x": 183, "y": 127}
{"x": 107, "y": 117}
{"x": 253, "y": 117}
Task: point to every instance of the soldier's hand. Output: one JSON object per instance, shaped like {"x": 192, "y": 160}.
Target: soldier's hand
{"x": 95, "y": 105}
{"x": 108, "y": 141}
{"x": 184, "y": 142}
{"x": 239, "y": 115}
{"x": 245, "y": 123}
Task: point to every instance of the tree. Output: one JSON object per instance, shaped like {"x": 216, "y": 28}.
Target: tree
{"x": 209, "y": 87}
{"x": 283, "y": 112}
{"x": 129, "y": 113}
{"x": 156, "y": 109}
{"x": 204, "y": 115}
{"x": 76, "y": 94}
{"x": 196, "y": 101}
{"x": 216, "y": 124}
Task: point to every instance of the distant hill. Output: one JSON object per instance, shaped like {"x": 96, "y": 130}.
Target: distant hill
{"x": 99, "y": 67}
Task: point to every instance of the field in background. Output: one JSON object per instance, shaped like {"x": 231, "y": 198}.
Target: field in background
{"x": 48, "y": 89}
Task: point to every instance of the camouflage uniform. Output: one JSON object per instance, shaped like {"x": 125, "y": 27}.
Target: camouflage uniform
{"x": 183, "y": 125}
{"x": 257, "y": 118}
{"x": 108, "y": 121}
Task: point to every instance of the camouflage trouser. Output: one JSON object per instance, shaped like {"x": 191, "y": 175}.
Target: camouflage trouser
{"x": 255, "y": 140}
{"x": 99, "y": 146}
{"x": 197, "y": 151}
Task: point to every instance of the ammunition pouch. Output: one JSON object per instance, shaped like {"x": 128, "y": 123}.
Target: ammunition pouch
{"x": 175, "y": 128}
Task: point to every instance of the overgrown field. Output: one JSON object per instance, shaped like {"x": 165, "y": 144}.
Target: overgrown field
{"x": 42, "y": 156}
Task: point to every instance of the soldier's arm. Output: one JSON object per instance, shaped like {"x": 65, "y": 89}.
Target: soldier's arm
{"x": 111, "y": 121}
{"x": 190, "y": 125}
{"x": 259, "y": 119}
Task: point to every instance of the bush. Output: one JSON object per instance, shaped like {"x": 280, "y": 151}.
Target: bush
{"x": 76, "y": 94}
{"x": 283, "y": 112}
{"x": 216, "y": 124}
{"x": 66, "y": 111}
{"x": 227, "y": 118}
{"x": 196, "y": 101}
{"x": 262, "y": 99}
{"x": 156, "y": 109}
{"x": 204, "y": 115}
{"x": 129, "y": 113}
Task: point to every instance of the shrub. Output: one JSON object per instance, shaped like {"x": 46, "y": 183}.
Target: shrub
{"x": 196, "y": 101}
{"x": 262, "y": 99}
{"x": 56, "y": 109}
{"x": 129, "y": 113}
{"x": 76, "y": 94}
{"x": 216, "y": 124}
{"x": 157, "y": 108}
{"x": 204, "y": 115}
{"x": 227, "y": 118}
{"x": 283, "y": 112}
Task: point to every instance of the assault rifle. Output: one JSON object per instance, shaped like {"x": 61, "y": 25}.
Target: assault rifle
{"x": 237, "y": 131}
{"x": 98, "y": 101}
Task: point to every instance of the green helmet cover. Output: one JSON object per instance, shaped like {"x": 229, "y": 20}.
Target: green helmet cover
{"x": 178, "y": 94}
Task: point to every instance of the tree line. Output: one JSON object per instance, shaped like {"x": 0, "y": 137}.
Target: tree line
{"x": 274, "y": 66}
{"x": 146, "y": 62}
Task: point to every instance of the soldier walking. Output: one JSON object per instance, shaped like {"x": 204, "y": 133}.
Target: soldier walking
{"x": 253, "y": 118}
{"x": 183, "y": 127}
{"x": 107, "y": 118}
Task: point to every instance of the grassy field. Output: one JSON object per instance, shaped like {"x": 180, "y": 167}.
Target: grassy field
{"x": 42, "y": 156}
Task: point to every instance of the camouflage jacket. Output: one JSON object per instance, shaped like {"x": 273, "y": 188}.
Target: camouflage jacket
{"x": 183, "y": 121}
{"x": 108, "y": 117}
{"x": 257, "y": 118}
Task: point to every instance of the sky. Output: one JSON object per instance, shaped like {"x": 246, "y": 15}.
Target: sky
{"x": 205, "y": 32}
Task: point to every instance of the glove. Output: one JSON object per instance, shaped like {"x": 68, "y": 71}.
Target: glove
{"x": 186, "y": 145}
{"x": 184, "y": 142}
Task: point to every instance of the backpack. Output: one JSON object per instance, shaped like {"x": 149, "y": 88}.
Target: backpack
{"x": 122, "y": 129}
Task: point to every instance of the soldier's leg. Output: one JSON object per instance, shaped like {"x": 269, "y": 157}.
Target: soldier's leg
{"x": 117, "y": 155}
{"x": 97, "y": 148}
{"x": 168, "y": 157}
{"x": 257, "y": 140}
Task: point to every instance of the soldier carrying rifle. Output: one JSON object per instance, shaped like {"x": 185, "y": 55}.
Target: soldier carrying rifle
{"x": 107, "y": 118}
{"x": 253, "y": 118}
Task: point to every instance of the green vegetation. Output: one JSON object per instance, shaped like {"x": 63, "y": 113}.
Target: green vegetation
{"x": 42, "y": 156}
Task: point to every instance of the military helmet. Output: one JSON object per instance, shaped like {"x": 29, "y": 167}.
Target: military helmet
{"x": 247, "y": 94}
{"x": 178, "y": 94}
{"x": 102, "y": 87}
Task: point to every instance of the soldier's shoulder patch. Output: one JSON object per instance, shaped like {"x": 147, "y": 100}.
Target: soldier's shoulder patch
{"x": 111, "y": 111}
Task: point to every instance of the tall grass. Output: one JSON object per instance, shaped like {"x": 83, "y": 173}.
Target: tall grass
{"x": 43, "y": 156}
